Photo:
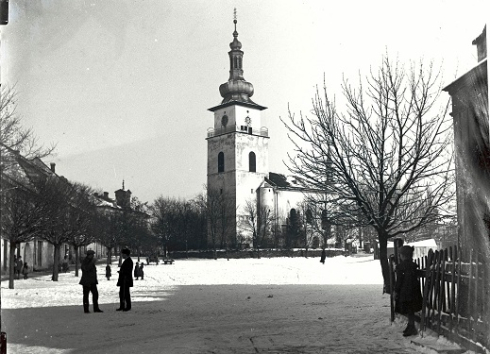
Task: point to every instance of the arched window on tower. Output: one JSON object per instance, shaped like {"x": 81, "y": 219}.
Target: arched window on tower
{"x": 221, "y": 162}
{"x": 239, "y": 63}
{"x": 236, "y": 63}
{"x": 252, "y": 162}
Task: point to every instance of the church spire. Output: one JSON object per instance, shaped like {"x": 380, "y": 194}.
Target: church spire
{"x": 236, "y": 89}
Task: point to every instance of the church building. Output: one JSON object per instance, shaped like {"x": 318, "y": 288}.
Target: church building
{"x": 238, "y": 163}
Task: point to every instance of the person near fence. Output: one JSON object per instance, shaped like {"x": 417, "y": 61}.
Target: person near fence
{"x": 89, "y": 282}
{"x": 125, "y": 281}
{"x": 407, "y": 288}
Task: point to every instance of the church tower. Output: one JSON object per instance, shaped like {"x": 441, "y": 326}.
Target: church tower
{"x": 238, "y": 153}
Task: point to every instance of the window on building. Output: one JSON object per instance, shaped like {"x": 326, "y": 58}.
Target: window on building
{"x": 221, "y": 162}
{"x": 252, "y": 162}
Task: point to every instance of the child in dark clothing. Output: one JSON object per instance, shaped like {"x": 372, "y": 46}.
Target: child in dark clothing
{"x": 407, "y": 288}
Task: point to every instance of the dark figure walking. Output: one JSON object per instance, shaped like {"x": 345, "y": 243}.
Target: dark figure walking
{"x": 25, "y": 270}
{"x": 141, "y": 271}
{"x": 125, "y": 281}
{"x": 323, "y": 256}
{"x": 89, "y": 282}
{"x": 108, "y": 272}
{"x": 137, "y": 270}
{"x": 18, "y": 267}
{"x": 64, "y": 264}
{"x": 407, "y": 288}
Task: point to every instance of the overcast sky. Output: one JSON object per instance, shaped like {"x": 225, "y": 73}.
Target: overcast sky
{"x": 123, "y": 87}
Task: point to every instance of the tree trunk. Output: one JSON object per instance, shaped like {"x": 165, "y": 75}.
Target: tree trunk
{"x": 13, "y": 247}
{"x": 76, "y": 248}
{"x": 383, "y": 259}
{"x": 56, "y": 264}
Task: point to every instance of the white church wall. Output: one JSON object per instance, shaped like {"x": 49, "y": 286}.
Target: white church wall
{"x": 245, "y": 144}
{"x": 225, "y": 144}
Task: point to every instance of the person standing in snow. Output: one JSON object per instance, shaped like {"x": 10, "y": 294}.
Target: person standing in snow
{"x": 64, "y": 264}
{"x": 323, "y": 256}
{"x": 125, "y": 281}
{"x": 89, "y": 282}
{"x": 18, "y": 267}
{"x": 137, "y": 270}
{"x": 407, "y": 288}
{"x": 141, "y": 271}
{"x": 25, "y": 270}
{"x": 108, "y": 272}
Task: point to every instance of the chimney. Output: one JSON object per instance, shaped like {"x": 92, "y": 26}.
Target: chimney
{"x": 481, "y": 44}
{"x": 106, "y": 195}
{"x": 53, "y": 167}
{"x": 4, "y": 12}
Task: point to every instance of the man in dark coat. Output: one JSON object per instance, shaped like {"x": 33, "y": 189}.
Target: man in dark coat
{"x": 89, "y": 282}
{"x": 125, "y": 281}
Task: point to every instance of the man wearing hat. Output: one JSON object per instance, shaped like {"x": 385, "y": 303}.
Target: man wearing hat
{"x": 89, "y": 282}
{"x": 125, "y": 281}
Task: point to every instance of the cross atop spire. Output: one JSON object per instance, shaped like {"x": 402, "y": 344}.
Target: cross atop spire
{"x": 234, "y": 17}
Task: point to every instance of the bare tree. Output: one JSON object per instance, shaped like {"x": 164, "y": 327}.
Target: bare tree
{"x": 220, "y": 213}
{"x": 20, "y": 219}
{"x": 259, "y": 220}
{"x": 57, "y": 200}
{"x": 165, "y": 220}
{"x": 385, "y": 154}
{"x": 13, "y": 136}
{"x": 81, "y": 219}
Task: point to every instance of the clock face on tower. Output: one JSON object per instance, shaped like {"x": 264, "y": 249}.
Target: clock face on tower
{"x": 248, "y": 120}
{"x": 224, "y": 120}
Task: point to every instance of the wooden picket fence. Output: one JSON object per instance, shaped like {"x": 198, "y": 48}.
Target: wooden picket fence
{"x": 456, "y": 296}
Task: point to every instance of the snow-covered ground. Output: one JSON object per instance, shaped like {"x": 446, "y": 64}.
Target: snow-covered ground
{"x": 277, "y": 305}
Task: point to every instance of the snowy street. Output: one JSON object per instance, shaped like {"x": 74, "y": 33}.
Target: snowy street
{"x": 282, "y": 305}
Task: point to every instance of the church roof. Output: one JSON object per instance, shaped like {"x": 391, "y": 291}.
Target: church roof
{"x": 282, "y": 181}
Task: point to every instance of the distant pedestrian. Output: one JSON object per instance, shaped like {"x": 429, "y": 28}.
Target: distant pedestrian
{"x": 407, "y": 288}
{"x": 137, "y": 271}
{"x": 64, "y": 264}
{"x": 125, "y": 281}
{"x": 89, "y": 282}
{"x": 18, "y": 267}
{"x": 323, "y": 256}
{"x": 108, "y": 272}
{"x": 141, "y": 271}
{"x": 25, "y": 270}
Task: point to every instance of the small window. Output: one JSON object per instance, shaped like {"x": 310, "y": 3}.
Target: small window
{"x": 251, "y": 162}
{"x": 221, "y": 162}
{"x": 251, "y": 191}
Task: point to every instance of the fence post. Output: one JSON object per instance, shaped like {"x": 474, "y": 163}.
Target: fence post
{"x": 427, "y": 284}
{"x": 470, "y": 277}
{"x": 458, "y": 298}
{"x": 442, "y": 272}
{"x": 452, "y": 308}
{"x": 392, "y": 286}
